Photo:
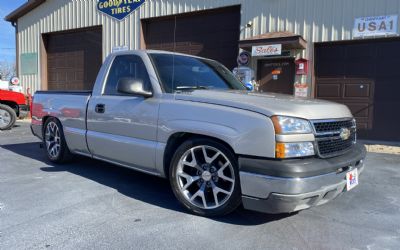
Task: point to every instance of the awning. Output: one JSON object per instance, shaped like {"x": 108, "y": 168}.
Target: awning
{"x": 288, "y": 40}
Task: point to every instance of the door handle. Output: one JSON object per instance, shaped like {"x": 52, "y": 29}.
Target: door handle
{"x": 100, "y": 108}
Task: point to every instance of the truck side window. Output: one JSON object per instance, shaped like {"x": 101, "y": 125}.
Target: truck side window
{"x": 126, "y": 66}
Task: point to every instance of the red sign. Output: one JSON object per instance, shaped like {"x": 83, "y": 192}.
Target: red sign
{"x": 301, "y": 66}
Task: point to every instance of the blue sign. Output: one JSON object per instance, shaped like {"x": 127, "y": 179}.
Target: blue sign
{"x": 119, "y": 9}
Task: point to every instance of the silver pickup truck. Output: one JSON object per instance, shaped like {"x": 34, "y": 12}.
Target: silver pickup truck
{"x": 190, "y": 120}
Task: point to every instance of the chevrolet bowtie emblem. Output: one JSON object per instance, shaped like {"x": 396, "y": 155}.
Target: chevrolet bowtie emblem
{"x": 345, "y": 133}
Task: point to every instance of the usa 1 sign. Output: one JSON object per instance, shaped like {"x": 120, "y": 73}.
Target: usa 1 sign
{"x": 267, "y": 50}
{"x": 375, "y": 26}
{"x": 118, "y": 9}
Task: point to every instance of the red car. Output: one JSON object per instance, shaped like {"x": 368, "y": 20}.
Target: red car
{"x": 13, "y": 105}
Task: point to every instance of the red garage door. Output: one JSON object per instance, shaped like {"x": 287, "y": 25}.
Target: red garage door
{"x": 212, "y": 33}
{"x": 364, "y": 75}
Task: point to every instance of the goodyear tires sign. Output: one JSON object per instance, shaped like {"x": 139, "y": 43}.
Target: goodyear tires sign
{"x": 118, "y": 9}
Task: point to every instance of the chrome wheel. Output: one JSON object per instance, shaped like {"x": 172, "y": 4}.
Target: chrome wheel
{"x": 53, "y": 140}
{"x": 5, "y": 118}
{"x": 205, "y": 177}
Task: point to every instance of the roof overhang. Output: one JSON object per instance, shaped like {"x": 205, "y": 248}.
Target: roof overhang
{"x": 23, "y": 10}
{"x": 288, "y": 40}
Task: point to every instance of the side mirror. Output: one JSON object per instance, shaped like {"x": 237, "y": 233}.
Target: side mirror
{"x": 133, "y": 87}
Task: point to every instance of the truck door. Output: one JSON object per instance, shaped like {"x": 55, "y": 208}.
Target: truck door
{"x": 122, "y": 128}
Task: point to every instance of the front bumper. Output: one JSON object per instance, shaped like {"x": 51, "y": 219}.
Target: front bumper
{"x": 291, "y": 185}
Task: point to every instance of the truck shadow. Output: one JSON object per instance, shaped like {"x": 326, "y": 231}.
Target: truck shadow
{"x": 136, "y": 185}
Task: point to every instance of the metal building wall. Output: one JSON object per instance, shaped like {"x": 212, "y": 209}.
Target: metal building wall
{"x": 315, "y": 20}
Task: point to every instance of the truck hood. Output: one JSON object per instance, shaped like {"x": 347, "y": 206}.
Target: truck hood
{"x": 269, "y": 104}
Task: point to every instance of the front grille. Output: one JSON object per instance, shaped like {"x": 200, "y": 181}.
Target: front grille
{"x": 329, "y": 126}
{"x": 335, "y": 146}
{"x": 329, "y": 142}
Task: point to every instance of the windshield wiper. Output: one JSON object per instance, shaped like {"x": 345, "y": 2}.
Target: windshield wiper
{"x": 190, "y": 87}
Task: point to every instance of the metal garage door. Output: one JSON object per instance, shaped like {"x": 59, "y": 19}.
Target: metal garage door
{"x": 213, "y": 34}
{"x": 73, "y": 59}
{"x": 364, "y": 75}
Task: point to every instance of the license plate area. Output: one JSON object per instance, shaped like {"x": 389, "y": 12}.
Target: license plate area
{"x": 351, "y": 179}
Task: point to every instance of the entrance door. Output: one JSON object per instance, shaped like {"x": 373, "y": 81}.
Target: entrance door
{"x": 276, "y": 75}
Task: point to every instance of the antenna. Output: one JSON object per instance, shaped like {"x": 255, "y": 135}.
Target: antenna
{"x": 173, "y": 60}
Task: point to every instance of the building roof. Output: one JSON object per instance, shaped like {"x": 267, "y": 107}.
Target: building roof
{"x": 289, "y": 40}
{"x": 23, "y": 10}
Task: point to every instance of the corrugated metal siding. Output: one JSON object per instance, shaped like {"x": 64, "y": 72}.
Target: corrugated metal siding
{"x": 315, "y": 20}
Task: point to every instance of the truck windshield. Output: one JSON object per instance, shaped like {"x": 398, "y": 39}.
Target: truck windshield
{"x": 181, "y": 72}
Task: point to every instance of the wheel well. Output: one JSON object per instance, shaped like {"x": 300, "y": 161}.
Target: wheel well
{"x": 12, "y": 105}
{"x": 176, "y": 140}
{"x": 44, "y": 120}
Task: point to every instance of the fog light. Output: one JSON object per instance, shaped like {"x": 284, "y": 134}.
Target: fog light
{"x": 292, "y": 150}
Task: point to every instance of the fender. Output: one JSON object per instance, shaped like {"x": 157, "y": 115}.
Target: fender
{"x": 10, "y": 96}
{"x": 255, "y": 137}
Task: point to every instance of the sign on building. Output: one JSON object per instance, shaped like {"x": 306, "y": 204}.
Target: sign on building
{"x": 243, "y": 58}
{"x": 267, "y": 50}
{"x": 118, "y": 9}
{"x": 375, "y": 26}
{"x": 29, "y": 63}
{"x": 300, "y": 89}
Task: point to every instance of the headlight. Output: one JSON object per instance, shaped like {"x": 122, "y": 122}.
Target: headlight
{"x": 290, "y": 125}
{"x": 292, "y": 150}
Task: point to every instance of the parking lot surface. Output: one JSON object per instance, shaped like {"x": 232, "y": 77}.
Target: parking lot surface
{"x": 89, "y": 204}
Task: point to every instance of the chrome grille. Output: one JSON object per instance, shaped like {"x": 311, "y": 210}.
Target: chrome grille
{"x": 329, "y": 142}
{"x": 329, "y": 126}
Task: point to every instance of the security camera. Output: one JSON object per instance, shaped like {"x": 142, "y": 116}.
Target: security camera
{"x": 249, "y": 24}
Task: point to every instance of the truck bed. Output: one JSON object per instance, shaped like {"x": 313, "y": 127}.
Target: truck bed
{"x": 68, "y": 106}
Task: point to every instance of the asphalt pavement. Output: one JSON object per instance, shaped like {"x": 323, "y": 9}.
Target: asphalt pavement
{"x": 88, "y": 204}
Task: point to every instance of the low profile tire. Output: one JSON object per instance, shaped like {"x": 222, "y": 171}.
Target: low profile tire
{"x": 54, "y": 142}
{"x": 7, "y": 117}
{"x": 204, "y": 177}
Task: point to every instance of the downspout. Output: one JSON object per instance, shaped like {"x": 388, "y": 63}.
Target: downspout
{"x": 15, "y": 25}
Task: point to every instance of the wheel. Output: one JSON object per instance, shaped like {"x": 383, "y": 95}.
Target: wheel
{"x": 7, "y": 117}
{"x": 54, "y": 141}
{"x": 204, "y": 177}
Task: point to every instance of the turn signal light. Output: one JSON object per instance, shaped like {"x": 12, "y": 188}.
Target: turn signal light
{"x": 293, "y": 150}
{"x": 280, "y": 150}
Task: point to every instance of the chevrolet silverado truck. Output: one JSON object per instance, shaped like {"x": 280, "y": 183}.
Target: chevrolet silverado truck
{"x": 190, "y": 120}
{"x": 13, "y": 105}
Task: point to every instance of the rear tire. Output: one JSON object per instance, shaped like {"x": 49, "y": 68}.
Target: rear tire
{"x": 204, "y": 177}
{"x": 54, "y": 142}
{"x": 7, "y": 117}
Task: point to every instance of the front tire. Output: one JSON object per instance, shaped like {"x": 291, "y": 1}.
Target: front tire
{"x": 7, "y": 117}
{"x": 204, "y": 177}
{"x": 54, "y": 142}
